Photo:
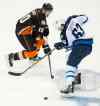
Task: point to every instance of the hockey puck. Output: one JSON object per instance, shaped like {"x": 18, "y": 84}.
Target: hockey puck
{"x": 52, "y": 76}
{"x": 45, "y": 98}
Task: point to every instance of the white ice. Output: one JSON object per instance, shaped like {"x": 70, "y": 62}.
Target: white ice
{"x": 31, "y": 88}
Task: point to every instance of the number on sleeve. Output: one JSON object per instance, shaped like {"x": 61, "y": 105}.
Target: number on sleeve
{"x": 25, "y": 18}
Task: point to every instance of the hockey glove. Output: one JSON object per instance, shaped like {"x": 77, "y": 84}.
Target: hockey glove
{"x": 47, "y": 49}
{"x": 44, "y": 31}
{"x": 59, "y": 45}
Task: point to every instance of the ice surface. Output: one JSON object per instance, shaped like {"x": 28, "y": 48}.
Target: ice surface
{"x": 31, "y": 88}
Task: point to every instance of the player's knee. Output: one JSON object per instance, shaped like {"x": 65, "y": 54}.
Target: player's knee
{"x": 88, "y": 50}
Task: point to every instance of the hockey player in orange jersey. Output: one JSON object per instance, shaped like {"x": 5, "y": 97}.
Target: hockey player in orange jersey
{"x": 32, "y": 32}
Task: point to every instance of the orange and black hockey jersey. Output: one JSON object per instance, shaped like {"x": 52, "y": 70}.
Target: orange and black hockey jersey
{"x": 36, "y": 20}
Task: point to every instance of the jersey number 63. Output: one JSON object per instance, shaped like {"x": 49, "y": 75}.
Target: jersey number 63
{"x": 77, "y": 31}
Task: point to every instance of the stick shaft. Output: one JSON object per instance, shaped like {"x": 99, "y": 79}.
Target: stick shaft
{"x": 50, "y": 68}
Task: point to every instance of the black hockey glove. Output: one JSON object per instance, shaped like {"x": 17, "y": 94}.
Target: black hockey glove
{"x": 59, "y": 45}
{"x": 47, "y": 49}
{"x": 44, "y": 31}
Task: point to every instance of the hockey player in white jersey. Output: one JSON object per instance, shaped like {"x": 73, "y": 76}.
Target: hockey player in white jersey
{"x": 73, "y": 35}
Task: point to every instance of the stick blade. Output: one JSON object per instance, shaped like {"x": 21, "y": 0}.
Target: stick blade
{"x": 14, "y": 74}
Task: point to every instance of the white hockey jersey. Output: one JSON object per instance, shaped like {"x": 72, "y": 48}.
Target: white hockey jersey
{"x": 73, "y": 28}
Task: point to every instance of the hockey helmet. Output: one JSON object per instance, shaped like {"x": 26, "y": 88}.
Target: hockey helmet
{"x": 47, "y": 6}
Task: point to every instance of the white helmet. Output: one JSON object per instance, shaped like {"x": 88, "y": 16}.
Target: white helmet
{"x": 59, "y": 24}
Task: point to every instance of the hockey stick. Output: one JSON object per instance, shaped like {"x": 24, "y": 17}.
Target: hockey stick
{"x": 19, "y": 74}
{"x": 49, "y": 60}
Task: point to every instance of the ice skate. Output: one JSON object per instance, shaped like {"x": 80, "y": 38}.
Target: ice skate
{"x": 11, "y": 59}
{"x": 68, "y": 89}
{"x": 77, "y": 79}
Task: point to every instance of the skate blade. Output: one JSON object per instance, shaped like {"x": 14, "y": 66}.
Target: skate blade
{"x": 67, "y": 95}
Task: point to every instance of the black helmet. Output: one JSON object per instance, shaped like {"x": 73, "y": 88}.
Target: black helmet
{"x": 47, "y": 6}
